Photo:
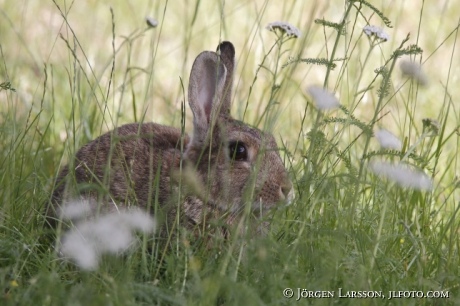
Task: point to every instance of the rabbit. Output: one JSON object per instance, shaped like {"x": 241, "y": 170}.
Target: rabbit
{"x": 226, "y": 160}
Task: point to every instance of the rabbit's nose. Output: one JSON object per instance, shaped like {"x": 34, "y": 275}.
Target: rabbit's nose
{"x": 286, "y": 189}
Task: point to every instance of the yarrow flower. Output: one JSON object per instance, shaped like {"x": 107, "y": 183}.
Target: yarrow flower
{"x": 286, "y": 27}
{"x": 323, "y": 99}
{"x": 414, "y": 71}
{"x": 402, "y": 175}
{"x": 388, "y": 139}
{"x": 151, "y": 22}
{"x": 111, "y": 233}
{"x": 74, "y": 210}
{"x": 371, "y": 30}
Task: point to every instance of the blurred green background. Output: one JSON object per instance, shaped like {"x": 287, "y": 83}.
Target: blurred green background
{"x": 30, "y": 37}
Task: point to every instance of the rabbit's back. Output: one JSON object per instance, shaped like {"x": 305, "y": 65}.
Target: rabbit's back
{"x": 124, "y": 166}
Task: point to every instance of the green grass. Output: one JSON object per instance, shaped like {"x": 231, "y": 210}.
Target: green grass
{"x": 347, "y": 227}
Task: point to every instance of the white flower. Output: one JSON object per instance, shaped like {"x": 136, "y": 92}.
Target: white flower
{"x": 414, "y": 71}
{"x": 151, "y": 22}
{"x": 323, "y": 99}
{"x": 111, "y": 233}
{"x": 80, "y": 250}
{"x": 388, "y": 140}
{"x": 74, "y": 209}
{"x": 138, "y": 220}
{"x": 402, "y": 175}
{"x": 284, "y": 27}
{"x": 377, "y": 31}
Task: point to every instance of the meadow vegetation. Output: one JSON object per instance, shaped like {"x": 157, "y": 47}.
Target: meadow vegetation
{"x": 375, "y": 170}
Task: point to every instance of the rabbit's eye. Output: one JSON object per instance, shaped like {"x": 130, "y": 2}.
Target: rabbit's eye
{"x": 238, "y": 151}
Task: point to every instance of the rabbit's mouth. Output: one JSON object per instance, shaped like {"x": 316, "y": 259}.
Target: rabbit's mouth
{"x": 261, "y": 210}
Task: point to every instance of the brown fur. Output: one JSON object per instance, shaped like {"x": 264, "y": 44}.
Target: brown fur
{"x": 120, "y": 167}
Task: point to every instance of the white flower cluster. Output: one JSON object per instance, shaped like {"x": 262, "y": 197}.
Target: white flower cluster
{"x": 324, "y": 100}
{"x": 286, "y": 27}
{"x": 377, "y": 31}
{"x": 414, "y": 71}
{"x": 75, "y": 210}
{"x": 402, "y": 175}
{"x": 151, "y": 22}
{"x": 388, "y": 139}
{"x": 111, "y": 233}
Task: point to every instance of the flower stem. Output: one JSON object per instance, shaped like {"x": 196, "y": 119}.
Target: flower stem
{"x": 385, "y": 81}
{"x": 334, "y": 49}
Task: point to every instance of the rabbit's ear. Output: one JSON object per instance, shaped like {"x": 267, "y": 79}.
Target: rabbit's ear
{"x": 205, "y": 91}
{"x": 227, "y": 54}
